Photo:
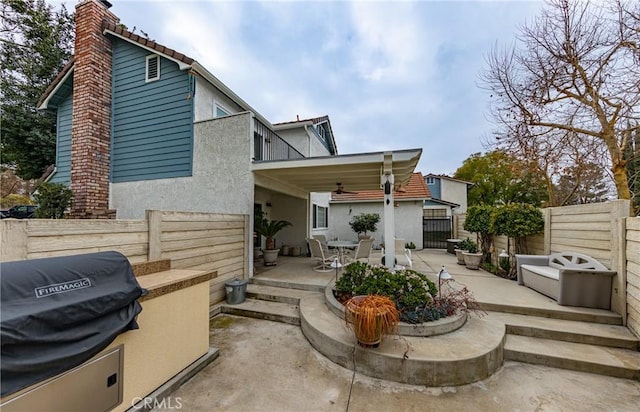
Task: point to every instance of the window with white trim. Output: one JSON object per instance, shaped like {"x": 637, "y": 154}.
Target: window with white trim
{"x": 431, "y": 180}
{"x": 220, "y": 111}
{"x": 320, "y": 217}
{"x": 152, "y": 72}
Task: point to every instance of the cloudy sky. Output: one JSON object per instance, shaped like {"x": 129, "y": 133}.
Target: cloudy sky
{"x": 390, "y": 75}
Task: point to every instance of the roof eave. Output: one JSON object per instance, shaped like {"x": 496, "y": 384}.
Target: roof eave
{"x": 45, "y": 102}
{"x": 182, "y": 65}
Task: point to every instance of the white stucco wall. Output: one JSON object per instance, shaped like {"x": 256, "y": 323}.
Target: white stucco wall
{"x": 408, "y": 221}
{"x": 288, "y": 208}
{"x": 222, "y": 181}
{"x": 205, "y": 99}
{"x": 297, "y": 138}
{"x": 306, "y": 143}
{"x": 319, "y": 199}
{"x": 455, "y": 192}
{"x": 316, "y": 147}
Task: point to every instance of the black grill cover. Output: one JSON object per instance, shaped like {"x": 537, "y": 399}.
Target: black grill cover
{"x": 58, "y": 312}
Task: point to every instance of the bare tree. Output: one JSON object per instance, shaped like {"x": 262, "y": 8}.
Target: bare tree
{"x": 570, "y": 85}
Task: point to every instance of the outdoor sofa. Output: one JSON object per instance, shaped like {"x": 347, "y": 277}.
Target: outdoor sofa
{"x": 571, "y": 278}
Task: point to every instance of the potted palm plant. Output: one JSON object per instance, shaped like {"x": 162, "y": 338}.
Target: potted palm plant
{"x": 269, "y": 229}
{"x": 371, "y": 317}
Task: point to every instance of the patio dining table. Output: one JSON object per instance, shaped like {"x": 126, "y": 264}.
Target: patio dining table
{"x": 341, "y": 245}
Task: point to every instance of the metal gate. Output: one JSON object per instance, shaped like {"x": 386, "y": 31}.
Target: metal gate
{"x": 435, "y": 232}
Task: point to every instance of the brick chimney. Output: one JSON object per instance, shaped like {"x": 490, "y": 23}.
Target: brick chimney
{"x": 91, "y": 121}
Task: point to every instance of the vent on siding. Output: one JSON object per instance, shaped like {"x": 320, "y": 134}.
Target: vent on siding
{"x": 153, "y": 68}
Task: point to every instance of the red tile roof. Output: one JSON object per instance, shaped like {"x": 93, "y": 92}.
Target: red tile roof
{"x": 314, "y": 120}
{"x": 415, "y": 189}
{"x": 120, "y": 30}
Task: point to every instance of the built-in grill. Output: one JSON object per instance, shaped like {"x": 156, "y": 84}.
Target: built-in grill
{"x": 56, "y": 313}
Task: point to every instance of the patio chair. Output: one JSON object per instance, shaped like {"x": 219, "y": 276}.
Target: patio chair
{"x": 323, "y": 243}
{"x": 363, "y": 251}
{"x": 324, "y": 261}
{"x": 403, "y": 255}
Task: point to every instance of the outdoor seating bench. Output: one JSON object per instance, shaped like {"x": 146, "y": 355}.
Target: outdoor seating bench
{"x": 571, "y": 278}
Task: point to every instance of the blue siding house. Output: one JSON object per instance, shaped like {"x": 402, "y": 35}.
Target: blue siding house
{"x": 152, "y": 131}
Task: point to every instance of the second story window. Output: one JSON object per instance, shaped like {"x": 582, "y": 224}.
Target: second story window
{"x": 220, "y": 111}
{"x": 152, "y": 72}
{"x": 430, "y": 180}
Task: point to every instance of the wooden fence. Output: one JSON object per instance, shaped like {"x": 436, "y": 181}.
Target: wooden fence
{"x": 601, "y": 230}
{"x": 633, "y": 273}
{"x": 191, "y": 240}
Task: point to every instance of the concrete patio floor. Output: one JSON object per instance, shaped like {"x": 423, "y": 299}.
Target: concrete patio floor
{"x": 270, "y": 366}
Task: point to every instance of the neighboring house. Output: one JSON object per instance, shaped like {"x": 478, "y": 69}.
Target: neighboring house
{"x": 448, "y": 196}
{"x": 311, "y": 136}
{"x": 408, "y": 201}
{"x": 144, "y": 127}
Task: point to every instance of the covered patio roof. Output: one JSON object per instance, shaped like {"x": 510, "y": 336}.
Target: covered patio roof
{"x": 355, "y": 172}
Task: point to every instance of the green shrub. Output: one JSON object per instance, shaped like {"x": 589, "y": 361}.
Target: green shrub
{"x": 407, "y": 288}
{"x": 53, "y": 199}
{"x": 478, "y": 220}
{"x": 410, "y": 245}
{"x": 467, "y": 245}
{"x": 517, "y": 220}
{"x": 364, "y": 222}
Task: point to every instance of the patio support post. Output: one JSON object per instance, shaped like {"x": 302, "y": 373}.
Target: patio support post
{"x": 387, "y": 182}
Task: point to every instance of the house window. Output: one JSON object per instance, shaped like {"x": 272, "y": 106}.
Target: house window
{"x": 431, "y": 180}
{"x": 153, "y": 68}
{"x": 320, "y": 217}
{"x": 220, "y": 112}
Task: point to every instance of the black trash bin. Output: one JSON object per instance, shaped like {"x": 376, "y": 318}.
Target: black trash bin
{"x": 236, "y": 291}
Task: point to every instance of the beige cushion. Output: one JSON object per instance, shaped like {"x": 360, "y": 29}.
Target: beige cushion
{"x": 545, "y": 271}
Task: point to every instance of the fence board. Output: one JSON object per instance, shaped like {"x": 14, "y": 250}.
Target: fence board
{"x": 130, "y": 251}
{"x": 64, "y": 227}
{"x": 590, "y": 208}
{"x": 176, "y": 245}
{"x": 200, "y": 217}
{"x": 579, "y": 218}
{"x": 595, "y": 235}
{"x": 578, "y": 227}
{"x": 184, "y": 225}
{"x": 633, "y": 223}
{"x": 200, "y": 234}
{"x": 633, "y": 315}
{"x": 72, "y": 242}
{"x": 207, "y": 259}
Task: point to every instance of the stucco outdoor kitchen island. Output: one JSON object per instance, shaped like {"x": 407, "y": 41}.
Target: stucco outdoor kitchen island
{"x": 171, "y": 344}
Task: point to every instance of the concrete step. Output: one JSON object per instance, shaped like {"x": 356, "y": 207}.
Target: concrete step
{"x": 277, "y": 294}
{"x": 262, "y": 309}
{"x": 620, "y": 363}
{"x": 469, "y": 354}
{"x": 569, "y": 331}
{"x": 561, "y": 312}
{"x": 285, "y": 284}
